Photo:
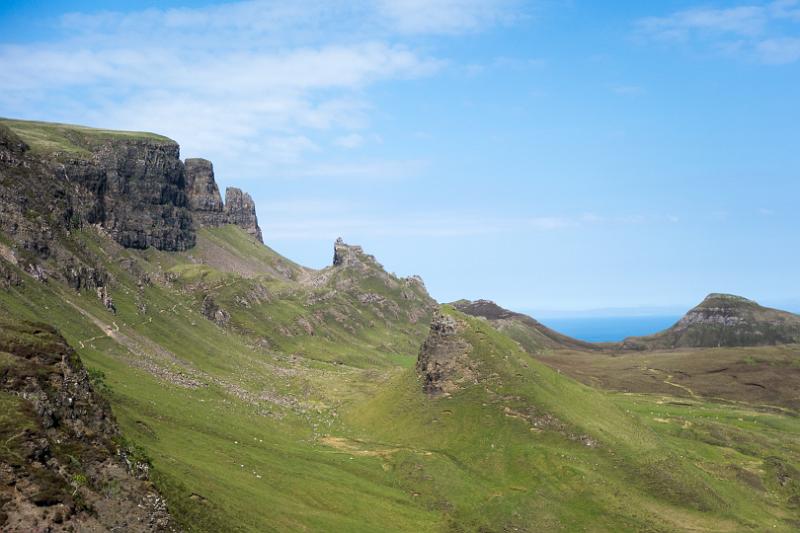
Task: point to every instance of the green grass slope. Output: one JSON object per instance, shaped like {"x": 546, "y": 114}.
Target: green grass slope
{"x": 526, "y": 448}
{"x": 50, "y": 137}
{"x": 532, "y": 335}
{"x": 302, "y": 410}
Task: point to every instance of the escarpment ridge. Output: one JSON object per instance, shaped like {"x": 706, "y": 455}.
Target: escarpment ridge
{"x": 134, "y": 185}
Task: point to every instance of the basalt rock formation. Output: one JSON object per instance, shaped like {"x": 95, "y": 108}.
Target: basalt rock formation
{"x": 62, "y": 452}
{"x": 444, "y": 360}
{"x": 241, "y": 210}
{"x": 203, "y": 193}
{"x": 724, "y": 320}
{"x": 206, "y": 203}
{"x": 55, "y": 178}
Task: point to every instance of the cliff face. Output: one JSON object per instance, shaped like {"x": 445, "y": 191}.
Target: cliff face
{"x": 241, "y": 210}
{"x": 203, "y": 195}
{"x": 725, "y": 320}
{"x": 139, "y": 190}
{"x": 133, "y": 185}
{"x": 206, "y": 204}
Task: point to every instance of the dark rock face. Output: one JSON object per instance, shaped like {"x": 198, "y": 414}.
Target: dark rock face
{"x": 444, "y": 362}
{"x": 62, "y": 446}
{"x": 134, "y": 188}
{"x": 724, "y": 320}
{"x": 203, "y": 194}
{"x": 139, "y": 191}
{"x": 206, "y": 204}
{"x": 241, "y": 210}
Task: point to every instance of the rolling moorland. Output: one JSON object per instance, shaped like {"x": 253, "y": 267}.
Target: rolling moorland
{"x": 161, "y": 369}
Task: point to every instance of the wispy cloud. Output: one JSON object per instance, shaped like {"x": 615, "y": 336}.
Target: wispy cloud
{"x": 316, "y": 219}
{"x": 446, "y": 16}
{"x": 353, "y": 140}
{"x": 260, "y": 77}
{"x": 765, "y": 32}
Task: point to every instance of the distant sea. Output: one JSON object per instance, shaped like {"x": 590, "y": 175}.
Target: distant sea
{"x": 609, "y": 329}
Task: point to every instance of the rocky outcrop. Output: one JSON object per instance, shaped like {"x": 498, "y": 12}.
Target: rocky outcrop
{"x": 444, "y": 361}
{"x": 241, "y": 210}
{"x": 213, "y": 312}
{"x": 724, "y": 320}
{"x": 352, "y": 256}
{"x": 62, "y": 449}
{"x": 203, "y": 195}
{"x": 206, "y": 203}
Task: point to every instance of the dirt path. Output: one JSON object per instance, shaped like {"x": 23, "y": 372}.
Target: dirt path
{"x": 671, "y": 383}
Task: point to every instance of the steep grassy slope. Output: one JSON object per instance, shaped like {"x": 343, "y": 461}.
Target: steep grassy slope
{"x": 272, "y": 397}
{"x": 520, "y": 447}
{"x": 232, "y": 425}
{"x": 246, "y": 437}
{"x": 532, "y": 335}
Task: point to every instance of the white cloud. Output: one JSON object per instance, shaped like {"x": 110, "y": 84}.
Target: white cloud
{"x": 258, "y": 78}
{"x": 445, "y": 16}
{"x": 353, "y": 140}
{"x": 779, "y": 51}
{"x": 742, "y": 20}
{"x": 326, "y": 219}
{"x": 768, "y": 33}
{"x": 372, "y": 170}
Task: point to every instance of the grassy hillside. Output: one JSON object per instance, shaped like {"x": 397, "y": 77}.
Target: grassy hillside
{"x": 724, "y": 320}
{"x": 301, "y": 411}
{"x": 510, "y": 452}
{"x": 532, "y": 335}
{"x": 51, "y": 137}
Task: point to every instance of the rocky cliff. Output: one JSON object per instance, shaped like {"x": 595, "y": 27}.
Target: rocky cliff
{"x": 206, "y": 204}
{"x": 724, "y": 320}
{"x": 241, "y": 210}
{"x": 63, "y": 464}
{"x": 203, "y": 195}
{"x": 54, "y": 178}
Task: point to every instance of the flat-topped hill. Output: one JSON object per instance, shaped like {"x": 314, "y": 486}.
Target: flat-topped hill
{"x": 725, "y": 320}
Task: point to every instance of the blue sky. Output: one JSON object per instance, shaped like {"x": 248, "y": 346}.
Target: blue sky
{"x": 552, "y": 155}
